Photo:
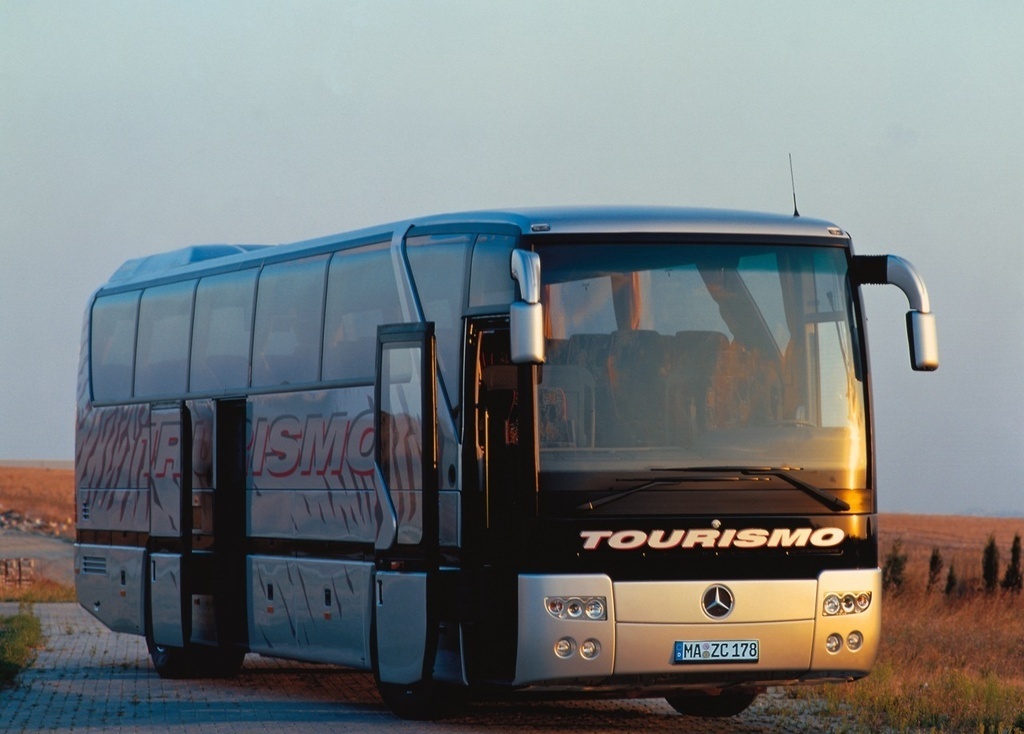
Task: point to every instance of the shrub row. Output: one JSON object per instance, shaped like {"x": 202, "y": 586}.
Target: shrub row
{"x": 895, "y": 566}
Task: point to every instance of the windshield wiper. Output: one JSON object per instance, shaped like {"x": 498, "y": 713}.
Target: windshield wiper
{"x": 594, "y": 504}
{"x": 780, "y": 472}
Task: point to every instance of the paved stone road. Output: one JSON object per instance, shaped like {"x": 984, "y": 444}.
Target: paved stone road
{"x": 88, "y": 679}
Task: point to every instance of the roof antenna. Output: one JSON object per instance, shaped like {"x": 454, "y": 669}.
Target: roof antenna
{"x": 792, "y": 181}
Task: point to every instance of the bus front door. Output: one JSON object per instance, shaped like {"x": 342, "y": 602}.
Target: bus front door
{"x": 406, "y": 584}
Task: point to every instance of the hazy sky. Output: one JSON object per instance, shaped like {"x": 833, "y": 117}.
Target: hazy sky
{"x": 128, "y": 128}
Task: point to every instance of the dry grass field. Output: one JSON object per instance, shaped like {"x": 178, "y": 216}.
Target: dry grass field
{"x": 947, "y": 662}
{"x": 43, "y": 494}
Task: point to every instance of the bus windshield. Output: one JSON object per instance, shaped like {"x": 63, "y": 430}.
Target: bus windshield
{"x": 667, "y": 358}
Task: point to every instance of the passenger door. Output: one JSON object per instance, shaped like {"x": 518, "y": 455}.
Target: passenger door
{"x": 170, "y": 474}
{"x": 405, "y": 604}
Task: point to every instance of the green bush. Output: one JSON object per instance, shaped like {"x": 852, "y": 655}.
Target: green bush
{"x": 20, "y": 636}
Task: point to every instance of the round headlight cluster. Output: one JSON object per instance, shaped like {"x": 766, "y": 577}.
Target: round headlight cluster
{"x": 576, "y": 607}
{"x": 846, "y": 603}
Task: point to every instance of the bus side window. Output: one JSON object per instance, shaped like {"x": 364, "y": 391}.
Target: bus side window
{"x": 289, "y": 314}
{"x": 438, "y": 265}
{"x": 361, "y": 294}
{"x": 112, "y": 346}
{"x": 221, "y": 332}
{"x": 491, "y": 281}
{"x": 165, "y": 320}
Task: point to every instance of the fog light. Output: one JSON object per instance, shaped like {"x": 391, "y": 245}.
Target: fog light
{"x": 832, "y": 605}
{"x": 590, "y": 649}
{"x": 849, "y": 604}
{"x": 854, "y": 640}
{"x": 565, "y": 647}
{"x": 834, "y": 643}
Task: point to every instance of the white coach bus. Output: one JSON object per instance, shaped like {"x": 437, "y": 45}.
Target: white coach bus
{"x": 614, "y": 451}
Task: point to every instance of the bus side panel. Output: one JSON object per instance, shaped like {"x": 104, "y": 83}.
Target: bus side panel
{"x": 334, "y": 613}
{"x": 165, "y": 438}
{"x": 312, "y": 610}
{"x": 112, "y": 468}
{"x": 311, "y": 470}
{"x": 165, "y": 599}
{"x": 109, "y": 584}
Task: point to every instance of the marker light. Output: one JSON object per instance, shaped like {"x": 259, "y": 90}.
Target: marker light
{"x": 555, "y": 606}
{"x": 863, "y": 601}
{"x": 834, "y": 643}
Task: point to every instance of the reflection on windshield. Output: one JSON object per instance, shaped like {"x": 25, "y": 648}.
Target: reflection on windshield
{"x": 662, "y": 355}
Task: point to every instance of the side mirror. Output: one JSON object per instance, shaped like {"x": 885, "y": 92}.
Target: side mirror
{"x": 921, "y": 332}
{"x": 924, "y": 341}
{"x": 526, "y": 316}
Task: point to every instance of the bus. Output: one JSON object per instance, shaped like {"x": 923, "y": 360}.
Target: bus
{"x": 556, "y": 451}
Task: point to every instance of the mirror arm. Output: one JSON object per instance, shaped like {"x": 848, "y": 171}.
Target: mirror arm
{"x": 921, "y": 331}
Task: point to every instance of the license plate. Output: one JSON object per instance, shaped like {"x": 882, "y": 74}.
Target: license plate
{"x": 715, "y": 651}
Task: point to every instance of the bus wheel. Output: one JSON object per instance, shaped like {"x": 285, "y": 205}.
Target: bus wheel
{"x": 423, "y": 701}
{"x": 217, "y": 662}
{"x": 170, "y": 662}
{"x": 705, "y": 705}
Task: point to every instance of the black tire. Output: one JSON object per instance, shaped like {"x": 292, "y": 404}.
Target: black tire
{"x": 217, "y": 662}
{"x": 177, "y": 663}
{"x": 173, "y": 663}
{"x": 423, "y": 701}
{"x": 708, "y": 706}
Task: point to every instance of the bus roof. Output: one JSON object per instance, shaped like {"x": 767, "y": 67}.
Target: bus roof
{"x": 543, "y": 221}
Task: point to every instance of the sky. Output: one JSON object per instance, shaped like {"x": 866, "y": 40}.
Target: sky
{"x": 129, "y": 128}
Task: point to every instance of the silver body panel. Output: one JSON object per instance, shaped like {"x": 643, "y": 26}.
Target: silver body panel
{"x": 315, "y": 610}
{"x": 109, "y": 584}
{"x": 165, "y": 599}
{"x": 165, "y": 475}
{"x": 401, "y": 626}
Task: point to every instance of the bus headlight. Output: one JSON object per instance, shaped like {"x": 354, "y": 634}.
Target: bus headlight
{"x": 577, "y": 607}
{"x": 846, "y": 602}
{"x": 595, "y": 609}
{"x": 849, "y": 604}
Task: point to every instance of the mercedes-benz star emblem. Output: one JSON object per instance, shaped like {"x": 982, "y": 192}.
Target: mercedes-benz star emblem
{"x": 717, "y": 601}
